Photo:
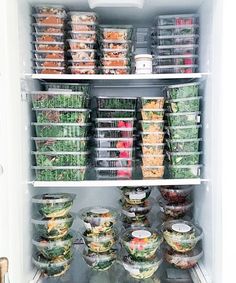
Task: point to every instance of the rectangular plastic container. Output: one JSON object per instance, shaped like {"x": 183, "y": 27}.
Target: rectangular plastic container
{"x": 190, "y": 104}
{"x": 123, "y": 62}
{"x": 176, "y": 69}
{"x": 183, "y": 90}
{"x": 87, "y": 36}
{"x": 152, "y": 125}
{"x": 152, "y": 102}
{"x": 61, "y": 129}
{"x": 152, "y": 137}
{"x": 152, "y": 114}
{"x": 115, "y": 70}
{"x": 60, "y": 173}
{"x": 77, "y": 87}
{"x": 61, "y": 144}
{"x": 116, "y": 53}
{"x": 150, "y": 172}
{"x": 184, "y": 171}
{"x": 113, "y": 162}
{"x": 168, "y": 50}
{"x": 177, "y": 40}
{"x": 49, "y": 70}
{"x": 42, "y": 28}
{"x": 114, "y": 173}
{"x": 114, "y": 122}
{"x": 152, "y": 160}
{"x": 111, "y": 44}
{"x": 116, "y": 113}
{"x": 81, "y": 55}
{"x": 107, "y": 102}
{"x": 83, "y": 17}
{"x": 50, "y": 63}
{"x": 83, "y": 70}
{"x": 49, "y": 37}
{"x": 114, "y": 132}
{"x": 118, "y": 143}
{"x": 114, "y": 152}
{"x": 46, "y": 19}
{"x": 176, "y": 60}
{"x": 152, "y": 149}
{"x": 184, "y": 158}
{"x": 184, "y": 132}
{"x": 49, "y": 46}
{"x": 50, "y": 9}
{"x": 177, "y": 30}
{"x": 62, "y": 115}
{"x": 183, "y": 118}
{"x": 61, "y": 158}
{"x": 116, "y": 33}
{"x": 178, "y": 20}
{"x": 83, "y": 63}
{"x": 76, "y": 45}
{"x": 83, "y": 27}
{"x": 184, "y": 145}
{"x": 49, "y": 55}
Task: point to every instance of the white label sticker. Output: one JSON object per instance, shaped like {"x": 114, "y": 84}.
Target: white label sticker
{"x": 138, "y": 196}
{"x": 161, "y": 209}
{"x": 141, "y": 234}
{"x": 198, "y": 119}
{"x": 99, "y": 210}
{"x": 181, "y": 228}
{"x": 87, "y": 225}
{"x": 129, "y": 214}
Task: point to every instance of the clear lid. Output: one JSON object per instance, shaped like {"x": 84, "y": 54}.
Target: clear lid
{"x": 58, "y": 139}
{"x": 183, "y": 140}
{"x": 138, "y": 266}
{"x": 152, "y": 155}
{"x": 133, "y": 210}
{"x": 183, "y": 153}
{"x": 143, "y": 56}
{"x": 53, "y": 153}
{"x": 176, "y": 66}
{"x": 61, "y": 124}
{"x": 115, "y": 28}
{"x": 164, "y": 204}
{"x": 187, "y": 46}
{"x": 42, "y": 262}
{"x": 82, "y": 23}
{"x": 112, "y": 149}
{"x": 184, "y": 127}
{"x": 104, "y": 214}
{"x": 48, "y": 68}
{"x": 114, "y": 129}
{"x": 45, "y": 243}
{"x": 48, "y": 43}
{"x": 152, "y": 110}
{"x": 81, "y": 67}
{"x": 114, "y": 50}
{"x": 83, "y": 32}
{"x": 178, "y": 16}
{"x": 185, "y": 99}
{"x": 78, "y": 13}
{"x": 47, "y": 51}
{"x": 198, "y": 166}
{"x": 53, "y": 198}
{"x": 47, "y": 33}
{"x": 82, "y": 50}
{"x": 82, "y": 61}
{"x": 116, "y": 41}
{"x": 49, "y": 15}
{"x": 153, "y": 167}
{"x": 79, "y": 41}
{"x": 176, "y": 56}
{"x": 117, "y": 110}
{"x": 184, "y": 85}
{"x": 48, "y": 25}
{"x": 100, "y": 238}
{"x": 183, "y": 113}
{"x": 152, "y": 133}
{"x": 135, "y": 192}
{"x": 56, "y": 221}
{"x": 62, "y": 109}
{"x": 115, "y": 139}
{"x": 113, "y": 168}
{"x": 153, "y": 144}
{"x": 59, "y": 167}
{"x": 178, "y": 36}
{"x": 177, "y": 26}
{"x": 49, "y": 60}
{"x": 57, "y": 91}
{"x": 114, "y": 119}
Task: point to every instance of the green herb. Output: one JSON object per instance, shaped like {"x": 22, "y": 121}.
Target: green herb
{"x": 184, "y": 158}
{"x": 61, "y": 159}
{"x": 61, "y": 116}
{"x": 185, "y": 132}
{"x": 183, "y": 119}
{"x": 116, "y": 103}
{"x": 61, "y": 145}
{"x": 184, "y": 172}
{"x": 183, "y": 91}
{"x": 184, "y": 105}
{"x": 60, "y": 174}
{"x": 55, "y": 130}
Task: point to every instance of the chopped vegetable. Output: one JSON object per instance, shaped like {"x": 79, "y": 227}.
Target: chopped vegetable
{"x": 153, "y": 171}
{"x": 190, "y": 104}
{"x": 183, "y": 145}
{"x": 184, "y": 132}
{"x": 183, "y": 119}
{"x": 183, "y": 91}
{"x": 184, "y": 171}
{"x": 152, "y": 125}
{"x": 184, "y": 158}
{"x": 116, "y": 102}
{"x": 152, "y": 102}
{"x": 152, "y": 114}
{"x": 152, "y": 160}
{"x": 152, "y": 149}
{"x": 116, "y": 33}
{"x": 152, "y": 137}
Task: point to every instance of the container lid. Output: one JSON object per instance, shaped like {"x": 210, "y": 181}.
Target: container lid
{"x": 62, "y": 109}
{"x": 71, "y": 13}
{"x": 83, "y": 23}
{"x": 53, "y": 198}
{"x": 49, "y": 60}
{"x": 113, "y": 168}
{"x": 183, "y": 113}
{"x": 178, "y": 36}
{"x": 151, "y": 121}
{"x": 42, "y": 262}
{"x": 133, "y": 210}
{"x": 180, "y": 153}
{"x": 177, "y": 66}
{"x": 45, "y": 243}
{"x": 82, "y": 67}
{"x": 48, "y": 43}
{"x": 43, "y": 15}
{"x": 47, "y": 33}
{"x": 152, "y": 110}
{"x": 91, "y": 214}
{"x": 49, "y": 139}
{"x": 114, "y": 119}
{"x": 66, "y": 92}
{"x": 183, "y": 85}
{"x": 53, "y": 153}
{"x": 112, "y": 149}
{"x": 47, "y": 51}
{"x": 177, "y": 26}
{"x": 133, "y": 266}
{"x": 186, "y": 166}
{"x": 82, "y": 50}
{"x": 143, "y": 56}
{"x": 152, "y": 133}
{"x": 82, "y": 32}
{"x": 115, "y": 50}
{"x": 48, "y": 25}
{"x": 59, "y": 167}
{"x": 185, "y": 99}
{"x": 48, "y": 68}
{"x": 184, "y": 127}
{"x": 153, "y": 144}
{"x": 61, "y": 124}
{"x": 183, "y": 140}
{"x": 178, "y": 206}
{"x": 117, "y": 110}
{"x": 115, "y": 129}
{"x": 152, "y": 167}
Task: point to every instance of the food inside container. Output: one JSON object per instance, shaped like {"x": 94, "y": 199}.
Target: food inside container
{"x": 115, "y": 53}
{"x": 152, "y": 137}
{"x": 152, "y": 114}
{"x": 107, "y": 102}
{"x": 47, "y": 19}
{"x": 60, "y": 173}
{"x": 184, "y": 158}
{"x": 113, "y": 162}
{"x": 48, "y": 28}
{"x": 76, "y": 45}
{"x": 187, "y": 59}
{"x": 111, "y": 44}
{"x": 83, "y": 17}
{"x": 53, "y": 205}
{"x": 167, "y": 50}
{"x": 49, "y": 63}
{"x": 88, "y": 36}
{"x": 113, "y": 173}
{"x": 83, "y": 63}
{"x": 114, "y": 153}
{"x": 82, "y": 27}
{"x": 178, "y": 20}
{"x": 135, "y": 195}
{"x": 153, "y": 171}
{"x": 184, "y": 145}
{"x": 114, "y": 122}
{"x": 83, "y": 55}
{"x": 83, "y": 70}
{"x": 114, "y": 132}
{"x": 152, "y": 149}
{"x": 183, "y": 260}
{"x": 178, "y": 40}
{"x": 141, "y": 243}
{"x": 49, "y": 70}
{"x": 118, "y": 143}
{"x": 113, "y": 62}
{"x": 116, "y": 33}
{"x": 152, "y": 160}
{"x": 185, "y": 171}
{"x": 175, "y": 194}
{"x": 190, "y": 104}
{"x": 77, "y": 87}
{"x": 134, "y": 223}
{"x": 176, "y": 69}
{"x": 49, "y": 46}
{"x": 49, "y": 55}
{"x": 59, "y": 10}
{"x": 183, "y": 90}
{"x": 177, "y": 30}
{"x": 175, "y": 210}
{"x": 183, "y": 118}
{"x": 184, "y": 132}
{"x": 116, "y": 113}
{"x": 98, "y": 219}
{"x": 182, "y": 236}
{"x": 152, "y": 102}
{"x": 48, "y": 37}
{"x": 115, "y": 70}
{"x": 53, "y": 228}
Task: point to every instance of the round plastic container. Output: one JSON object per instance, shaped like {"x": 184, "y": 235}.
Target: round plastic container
{"x": 184, "y": 158}
{"x": 143, "y": 64}
{"x": 176, "y": 210}
{"x": 135, "y": 195}
{"x": 141, "y": 243}
{"x": 135, "y": 223}
{"x": 152, "y": 149}
{"x": 174, "y": 194}
{"x": 53, "y": 205}
{"x": 182, "y": 236}
{"x": 136, "y": 210}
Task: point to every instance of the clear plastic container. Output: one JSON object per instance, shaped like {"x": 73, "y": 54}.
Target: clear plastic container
{"x": 50, "y": 9}
{"x": 42, "y": 28}
{"x": 152, "y": 160}
{"x": 175, "y": 194}
{"x": 152, "y": 114}
{"x": 114, "y": 132}
{"x": 188, "y": 59}
{"x": 46, "y": 19}
{"x": 114, "y": 63}
{"x": 83, "y": 63}
{"x": 54, "y": 249}
{"x": 76, "y": 45}
{"x": 184, "y": 158}
{"x": 116, "y": 53}
{"x": 98, "y": 219}
{"x": 152, "y": 125}
{"x": 49, "y": 37}
{"x": 184, "y": 132}
{"x": 164, "y": 218}
{"x": 152, "y": 102}
{"x": 111, "y": 44}
{"x": 152, "y": 149}
{"x": 62, "y": 115}
{"x": 185, "y": 171}
{"x": 118, "y": 143}
{"x": 83, "y": 17}
{"x": 49, "y": 55}
{"x": 175, "y": 210}
{"x": 115, "y": 70}
{"x": 59, "y": 99}
{"x": 178, "y": 20}
{"x": 178, "y": 40}
{"x": 116, "y": 113}
{"x": 141, "y": 244}
{"x": 167, "y": 50}
{"x": 190, "y": 104}
{"x": 83, "y": 55}
{"x": 53, "y": 205}
{"x": 60, "y": 173}
{"x": 135, "y": 195}
{"x": 83, "y": 70}
{"x": 116, "y": 33}
{"x": 113, "y": 162}
{"x": 114, "y": 152}
{"x": 176, "y": 69}
{"x": 103, "y": 173}
{"x": 57, "y": 86}
{"x": 114, "y": 123}
{"x": 49, "y": 70}
{"x": 183, "y": 90}
{"x": 50, "y": 63}
{"x": 107, "y": 102}
{"x": 152, "y": 137}
{"x": 83, "y": 27}
{"x": 177, "y": 30}
{"x": 150, "y": 172}
{"x": 184, "y": 145}
{"x": 183, "y": 119}
{"x": 49, "y": 46}
{"x": 183, "y": 260}
{"x": 61, "y": 158}
{"x": 53, "y": 228}
{"x": 135, "y": 223}
{"x": 61, "y": 144}
{"x": 181, "y": 236}
{"x": 88, "y": 36}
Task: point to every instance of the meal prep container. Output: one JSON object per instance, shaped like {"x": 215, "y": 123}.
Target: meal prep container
{"x": 185, "y": 171}
{"x": 115, "y": 63}
{"x": 111, "y": 44}
{"x": 76, "y": 45}
{"x": 83, "y": 63}
{"x": 83, "y": 54}
{"x": 136, "y": 210}
{"x": 152, "y": 114}
{"x": 183, "y": 90}
{"x": 86, "y": 36}
{"x": 178, "y": 194}
{"x": 152, "y": 102}
{"x": 50, "y": 9}
{"x": 49, "y": 46}
{"x": 190, "y": 104}
{"x": 49, "y": 63}
{"x": 47, "y": 19}
{"x": 47, "y": 28}
{"x": 113, "y": 162}
{"x": 152, "y": 137}
{"x": 82, "y": 27}
{"x": 49, "y": 70}
{"x": 168, "y": 50}
{"x": 178, "y": 20}
{"x": 184, "y": 158}
{"x": 188, "y": 59}
{"x": 175, "y": 210}
{"x": 116, "y": 113}
{"x": 177, "y": 30}
{"x": 135, "y": 195}
{"x": 49, "y": 55}
{"x": 152, "y": 149}
{"x": 78, "y": 87}
{"x": 114, "y": 122}
{"x": 114, "y": 173}
{"x": 184, "y": 132}
{"x": 107, "y": 102}
{"x": 153, "y": 171}
{"x": 184, "y": 145}
{"x": 115, "y": 70}
{"x": 152, "y": 160}
{"x": 48, "y": 37}
{"x": 183, "y": 118}
{"x": 83, "y": 70}
{"x": 177, "y": 39}
{"x": 83, "y": 17}
{"x": 118, "y": 143}
{"x": 114, "y": 152}
{"x": 114, "y": 132}
{"x": 174, "y": 69}
{"x": 116, "y": 33}
{"x": 116, "y": 53}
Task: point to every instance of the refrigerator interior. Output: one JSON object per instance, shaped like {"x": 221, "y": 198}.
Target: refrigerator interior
{"x": 207, "y": 195}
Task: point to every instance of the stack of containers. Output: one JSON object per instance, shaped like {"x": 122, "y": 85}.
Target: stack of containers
{"x": 116, "y": 49}
{"x": 100, "y": 237}
{"x": 52, "y": 240}
{"x": 62, "y": 132}
{"x": 82, "y": 43}
{"x": 136, "y": 206}
{"x": 152, "y": 136}
{"x": 49, "y": 39}
{"x": 114, "y": 137}
{"x": 183, "y": 119}
{"x": 175, "y": 44}
{"x": 142, "y": 41}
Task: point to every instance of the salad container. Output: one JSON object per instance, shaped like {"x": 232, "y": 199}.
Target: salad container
{"x": 174, "y": 194}
{"x": 49, "y": 55}
{"x": 152, "y": 114}
{"x": 82, "y": 27}
{"x": 77, "y": 87}
{"x": 184, "y": 145}
{"x": 115, "y": 70}
{"x": 114, "y": 153}
{"x": 48, "y": 28}
{"x": 178, "y": 20}
{"x": 153, "y": 171}
{"x": 82, "y": 54}
{"x": 48, "y": 37}
{"x": 183, "y": 118}
{"x": 152, "y": 160}
{"x": 188, "y": 59}
{"x": 114, "y": 123}
{"x": 184, "y": 158}
{"x": 116, "y": 33}
{"x": 83, "y": 17}
{"x": 152, "y": 137}
{"x": 184, "y": 132}
{"x": 50, "y": 9}
{"x": 177, "y": 30}
{"x": 177, "y": 210}
{"x": 185, "y": 171}
{"x": 86, "y": 36}
{"x": 118, "y": 143}
{"x": 152, "y": 102}
{"x": 136, "y": 210}
{"x": 152, "y": 149}
{"x": 113, "y": 173}
{"x": 168, "y": 50}
{"x": 135, "y": 195}
{"x": 53, "y": 205}
{"x": 135, "y": 223}
{"x": 152, "y": 125}
{"x": 190, "y": 104}
{"x": 176, "y": 69}
{"x": 183, "y": 90}
{"x": 116, "y": 113}
{"x": 107, "y": 102}
{"x": 83, "y": 70}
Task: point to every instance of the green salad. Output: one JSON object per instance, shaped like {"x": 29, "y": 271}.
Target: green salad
{"x": 184, "y": 132}
{"x": 77, "y": 87}
{"x": 191, "y": 104}
{"x": 183, "y": 90}
{"x": 184, "y": 171}
{"x": 116, "y": 113}
{"x": 135, "y": 195}
{"x": 183, "y": 119}
{"x": 183, "y": 145}
{"x": 117, "y": 102}
{"x": 184, "y": 158}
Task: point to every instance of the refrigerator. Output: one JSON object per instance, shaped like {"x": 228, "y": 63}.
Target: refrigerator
{"x": 17, "y": 178}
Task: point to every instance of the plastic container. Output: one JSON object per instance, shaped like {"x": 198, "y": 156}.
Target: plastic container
{"x": 152, "y": 102}
{"x": 143, "y": 64}
{"x": 49, "y": 55}
{"x": 184, "y": 132}
{"x": 152, "y": 160}
{"x": 47, "y": 19}
{"x": 114, "y": 132}
{"x": 83, "y": 70}
{"x": 184, "y": 145}
{"x": 61, "y": 115}
{"x": 183, "y": 91}
{"x": 53, "y": 205}
{"x": 152, "y": 149}
{"x": 115, "y": 70}
{"x": 107, "y": 102}
{"x": 176, "y": 69}
{"x": 113, "y": 173}
{"x": 83, "y": 17}
{"x": 188, "y": 59}
{"x": 53, "y": 228}
{"x": 82, "y": 27}
{"x": 174, "y": 194}
{"x": 59, "y": 99}
{"x": 44, "y": 28}
{"x": 181, "y": 236}
{"x": 114, "y": 153}
{"x": 175, "y": 210}
{"x": 141, "y": 243}
{"x": 136, "y": 210}
{"x": 113, "y": 162}
{"x": 50, "y": 9}
{"x": 88, "y": 36}
{"x": 116, "y": 33}
{"x": 49, "y": 46}
{"x": 135, "y": 195}
{"x": 118, "y": 143}
{"x": 141, "y": 269}
{"x": 152, "y": 137}
{"x": 190, "y": 104}
{"x": 61, "y": 158}
{"x": 48, "y": 37}
{"x": 115, "y": 123}
{"x": 152, "y": 114}
{"x": 54, "y": 249}
{"x": 135, "y": 223}
{"x": 50, "y": 63}
{"x": 184, "y": 158}
{"x": 99, "y": 261}
{"x": 177, "y": 30}
{"x": 57, "y": 86}
{"x": 60, "y": 173}
{"x": 178, "y": 20}
{"x": 48, "y": 70}
{"x": 152, "y": 125}
{"x": 183, "y": 119}
{"x": 183, "y": 260}
{"x": 185, "y": 171}
{"x": 98, "y": 219}
{"x": 83, "y": 63}
{"x": 116, "y": 113}
{"x": 150, "y": 172}
{"x": 83, "y": 55}
{"x": 76, "y": 45}
{"x": 115, "y": 63}
{"x": 178, "y": 40}
{"x": 167, "y": 50}
{"x": 111, "y": 44}
{"x": 116, "y": 53}
{"x": 61, "y": 144}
